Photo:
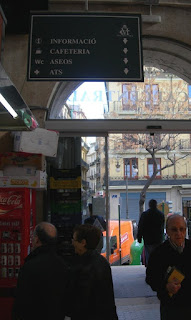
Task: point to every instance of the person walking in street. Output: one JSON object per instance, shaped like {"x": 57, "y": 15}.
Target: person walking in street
{"x": 92, "y": 293}
{"x": 92, "y": 219}
{"x": 168, "y": 271}
{"x": 97, "y": 221}
{"x": 41, "y": 291}
{"x": 151, "y": 228}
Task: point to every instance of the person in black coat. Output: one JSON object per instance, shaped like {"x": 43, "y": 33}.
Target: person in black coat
{"x": 97, "y": 221}
{"x": 94, "y": 218}
{"x": 174, "y": 253}
{"x": 92, "y": 293}
{"x": 151, "y": 228}
{"x": 43, "y": 279}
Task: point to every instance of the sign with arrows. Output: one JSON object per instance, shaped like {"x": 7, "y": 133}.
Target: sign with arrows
{"x": 87, "y": 47}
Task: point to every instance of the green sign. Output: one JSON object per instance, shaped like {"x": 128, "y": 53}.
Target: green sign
{"x": 88, "y": 47}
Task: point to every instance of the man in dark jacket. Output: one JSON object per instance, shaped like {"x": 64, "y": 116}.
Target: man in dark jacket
{"x": 174, "y": 294}
{"x": 93, "y": 296}
{"x": 42, "y": 282}
{"x": 93, "y": 219}
{"x": 151, "y": 228}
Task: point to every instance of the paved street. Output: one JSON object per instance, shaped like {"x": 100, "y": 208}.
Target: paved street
{"x": 134, "y": 298}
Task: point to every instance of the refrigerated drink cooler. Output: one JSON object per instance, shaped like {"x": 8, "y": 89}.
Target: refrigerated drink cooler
{"x": 17, "y": 222}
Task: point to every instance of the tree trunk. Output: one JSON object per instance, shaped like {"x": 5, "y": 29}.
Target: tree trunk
{"x": 144, "y": 191}
{"x": 141, "y": 202}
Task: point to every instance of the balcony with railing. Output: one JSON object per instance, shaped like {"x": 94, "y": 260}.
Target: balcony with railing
{"x": 85, "y": 184}
{"x": 84, "y": 164}
{"x": 97, "y": 175}
{"x": 84, "y": 144}
{"x": 92, "y": 163}
{"x": 97, "y": 160}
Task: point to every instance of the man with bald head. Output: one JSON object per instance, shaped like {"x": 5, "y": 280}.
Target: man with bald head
{"x": 44, "y": 233}
{"x": 43, "y": 279}
{"x": 175, "y": 252}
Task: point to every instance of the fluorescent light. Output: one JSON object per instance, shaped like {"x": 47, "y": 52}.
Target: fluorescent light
{"x": 8, "y": 107}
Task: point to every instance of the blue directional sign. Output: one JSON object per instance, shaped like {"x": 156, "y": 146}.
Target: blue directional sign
{"x": 88, "y": 47}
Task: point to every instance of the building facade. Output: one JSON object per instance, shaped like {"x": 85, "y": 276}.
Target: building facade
{"x": 163, "y": 159}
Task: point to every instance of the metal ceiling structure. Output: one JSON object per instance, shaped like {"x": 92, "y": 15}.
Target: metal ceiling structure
{"x": 15, "y": 115}
{"x": 17, "y": 14}
{"x": 24, "y": 119}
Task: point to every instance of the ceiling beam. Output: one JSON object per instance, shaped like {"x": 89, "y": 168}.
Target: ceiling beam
{"x": 106, "y": 126}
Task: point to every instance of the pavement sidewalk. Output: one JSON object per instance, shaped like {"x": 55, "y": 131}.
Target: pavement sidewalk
{"x": 135, "y": 300}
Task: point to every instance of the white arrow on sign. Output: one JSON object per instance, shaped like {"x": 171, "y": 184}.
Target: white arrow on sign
{"x": 125, "y": 60}
{"x": 125, "y": 40}
{"x": 125, "y": 50}
{"x": 126, "y": 71}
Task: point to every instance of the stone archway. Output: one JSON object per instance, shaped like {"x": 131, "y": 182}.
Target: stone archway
{"x": 167, "y": 54}
{"x": 60, "y": 94}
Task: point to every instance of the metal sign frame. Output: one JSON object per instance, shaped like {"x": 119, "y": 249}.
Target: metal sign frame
{"x": 93, "y": 47}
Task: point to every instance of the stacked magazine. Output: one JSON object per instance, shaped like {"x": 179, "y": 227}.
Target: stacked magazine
{"x": 174, "y": 273}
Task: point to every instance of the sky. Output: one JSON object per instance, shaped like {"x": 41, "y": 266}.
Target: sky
{"x": 91, "y": 98}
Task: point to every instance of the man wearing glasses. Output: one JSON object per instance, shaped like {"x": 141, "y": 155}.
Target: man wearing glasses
{"x": 169, "y": 271}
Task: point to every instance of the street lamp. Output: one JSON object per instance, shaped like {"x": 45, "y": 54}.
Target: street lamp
{"x": 135, "y": 170}
{"x": 127, "y": 213}
{"x": 119, "y": 209}
{"x": 117, "y": 166}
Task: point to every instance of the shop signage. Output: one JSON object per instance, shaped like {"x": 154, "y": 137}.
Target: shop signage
{"x": 88, "y": 47}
